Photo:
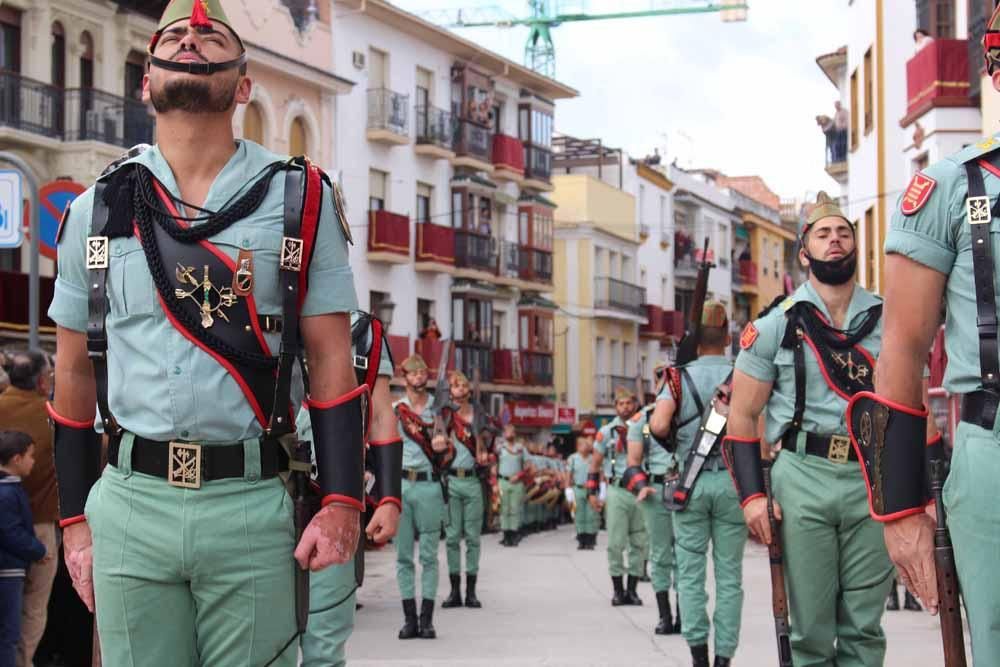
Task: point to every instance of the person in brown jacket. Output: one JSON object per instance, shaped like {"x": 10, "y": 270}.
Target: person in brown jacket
{"x": 22, "y": 408}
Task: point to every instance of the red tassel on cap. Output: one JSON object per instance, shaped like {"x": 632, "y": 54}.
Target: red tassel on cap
{"x": 199, "y": 15}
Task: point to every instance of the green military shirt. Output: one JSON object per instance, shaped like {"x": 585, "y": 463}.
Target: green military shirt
{"x": 765, "y": 360}
{"x": 160, "y": 385}
{"x": 413, "y": 454}
{"x": 464, "y": 460}
{"x": 706, "y": 374}
{"x": 938, "y": 236}
{"x": 511, "y": 459}
{"x": 579, "y": 467}
{"x": 656, "y": 460}
{"x": 606, "y": 443}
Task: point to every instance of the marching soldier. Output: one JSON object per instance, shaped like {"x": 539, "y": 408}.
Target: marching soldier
{"x": 712, "y": 514}
{"x": 186, "y": 541}
{"x": 465, "y": 497}
{"x": 333, "y": 592}
{"x": 626, "y": 529}
{"x": 512, "y": 467}
{"x": 586, "y": 519}
{"x": 802, "y": 362}
{"x": 941, "y": 250}
{"x": 424, "y": 460}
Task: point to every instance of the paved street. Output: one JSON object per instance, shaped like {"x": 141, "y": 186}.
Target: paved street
{"x": 547, "y": 604}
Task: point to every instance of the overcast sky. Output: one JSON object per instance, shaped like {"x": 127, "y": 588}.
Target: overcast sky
{"x": 739, "y": 97}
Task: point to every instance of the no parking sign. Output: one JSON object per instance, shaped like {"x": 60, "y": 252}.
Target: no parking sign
{"x": 53, "y": 198}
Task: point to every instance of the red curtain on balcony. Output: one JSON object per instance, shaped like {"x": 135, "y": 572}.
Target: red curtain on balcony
{"x": 435, "y": 243}
{"x": 14, "y": 299}
{"x": 938, "y": 74}
{"x": 748, "y": 271}
{"x": 654, "y": 321}
{"x": 508, "y": 153}
{"x": 388, "y": 232}
{"x": 431, "y": 351}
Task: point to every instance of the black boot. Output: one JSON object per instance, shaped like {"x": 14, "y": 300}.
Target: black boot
{"x": 427, "y": 620}
{"x": 677, "y": 618}
{"x": 666, "y": 624}
{"x": 593, "y": 541}
{"x": 699, "y": 655}
{"x": 631, "y": 596}
{"x": 645, "y": 572}
{"x": 619, "y": 598}
{"x": 893, "y": 603}
{"x": 910, "y": 603}
{"x": 505, "y": 540}
{"x": 409, "y": 629}
{"x": 581, "y": 539}
{"x": 455, "y": 597}
{"x": 722, "y": 662}
{"x": 470, "y": 592}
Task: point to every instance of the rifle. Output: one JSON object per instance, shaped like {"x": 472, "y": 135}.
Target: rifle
{"x": 947, "y": 577}
{"x": 687, "y": 349}
{"x": 779, "y": 600}
{"x": 479, "y": 428}
{"x": 303, "y": 506}
{"x": 440, "y": 404}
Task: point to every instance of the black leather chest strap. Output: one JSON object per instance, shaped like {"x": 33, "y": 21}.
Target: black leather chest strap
{"x": 98, "y": 256}
{"x": 980, "y": 218}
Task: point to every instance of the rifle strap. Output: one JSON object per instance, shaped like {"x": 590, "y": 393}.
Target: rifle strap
{"x": 980, "y": 219}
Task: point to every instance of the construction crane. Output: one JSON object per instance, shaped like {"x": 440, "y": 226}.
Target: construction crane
{"x": 540, "y": 51}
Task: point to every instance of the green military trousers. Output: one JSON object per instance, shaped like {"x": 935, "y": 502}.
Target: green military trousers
{"x": 970, "y": 499}
{"x": 332, "y": 594}
{"x": 660, "y": 536}
{"x": 713, "y": 515}
{"x": 587, "y": 521}
{"x": 465, "y": 521}
{"x": 625, "y": 530}
{"x": 420, "y": 521}
{"x": 511, "y": 499}
{"x": 837, "y": 569}
{"x": 187, "y": 577}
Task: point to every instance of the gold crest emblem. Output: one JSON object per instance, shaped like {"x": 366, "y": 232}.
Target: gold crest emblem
{"x": 213, "y": 299}
{"x": 97, "y": 252}
{"x": 977, "y": 210}
{"x": 291, "y": 254}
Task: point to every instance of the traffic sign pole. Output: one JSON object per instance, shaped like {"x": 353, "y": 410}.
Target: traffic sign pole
{"x": 33, "y": 281}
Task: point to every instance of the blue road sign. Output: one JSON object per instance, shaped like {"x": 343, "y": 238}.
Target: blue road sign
{"x": 11, "y": 209}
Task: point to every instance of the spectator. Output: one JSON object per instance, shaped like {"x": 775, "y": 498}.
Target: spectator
{"x": 431, "y": 331}
{"x": 921, "y": 39}
{"x": 18, "y": 545}
{"x": 841, "y": 123}
{"x": 4, "y": 378}
{"x": 826, "y": 125}
{"x": 22, "y": 408}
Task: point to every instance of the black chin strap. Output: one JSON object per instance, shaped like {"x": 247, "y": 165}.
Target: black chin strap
{"x": 197, "y": 68}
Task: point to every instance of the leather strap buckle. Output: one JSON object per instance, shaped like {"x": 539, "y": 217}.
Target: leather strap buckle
{"x": 184, "y": 465}
{"x": 840, "y": 449}
{"x": 360, "y": 362}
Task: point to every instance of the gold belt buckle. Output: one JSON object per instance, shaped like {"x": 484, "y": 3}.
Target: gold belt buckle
{"x": 411, "y": 475}
{"x": 461, "y": 473}
{"x": 840, "y": 449}
{"x": 184, "y": 465}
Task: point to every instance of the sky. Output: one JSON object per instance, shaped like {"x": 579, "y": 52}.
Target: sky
{"x": 738, "y": 97}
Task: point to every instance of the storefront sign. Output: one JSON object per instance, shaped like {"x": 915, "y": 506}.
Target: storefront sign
{"x": 566, "y": 415}
{"x": 526, "y": 413}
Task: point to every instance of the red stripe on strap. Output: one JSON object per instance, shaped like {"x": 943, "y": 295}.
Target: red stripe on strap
{"x": 310, "y": 224}
{"x": 374, "y": 354}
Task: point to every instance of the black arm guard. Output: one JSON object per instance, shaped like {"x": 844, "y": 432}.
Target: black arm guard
{"x": 339, "y": 442}
{"x": 593, "y": 483}
{"x": 742, "y": 457}
{"x": 78, "y": 464}
{"x": 890, "y": 440}
{"x": 635, "y": 479}
{"x": 387, "y": 465}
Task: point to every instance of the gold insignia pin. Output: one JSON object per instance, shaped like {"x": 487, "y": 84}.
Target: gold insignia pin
{"x": 97, "y": 252}
{"x": 977, "y": 210}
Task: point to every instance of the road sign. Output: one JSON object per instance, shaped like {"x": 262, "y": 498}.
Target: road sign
{"x": 11, "y": 209}
{"x": 53, "y": 198}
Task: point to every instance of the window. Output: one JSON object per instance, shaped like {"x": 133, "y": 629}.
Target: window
{"x": 534, "y": 126}
{"x": 424, "y": 196}
{"x": 87, "y": 61}
{"x": 297, "y": 143}
{"x": 628, "y": 362}
{"x": 376, "y": 69}
{"x": 683, "y": 299}
{"x": 869, "y": 92}
{"x": 854, "y": 110}
{"x": 498, "y": 326}
{"x": 601, "y": 355}
{"x": 456, "y": 209}
{"x": 614, "y": 264}
{"x": 617, "y": 363}
{"x": 524, "y": 124}
{"x": 253, "y": 124}
{"x": 376, "y": 190}
{"x": 942, "y": 24}
{"x": 425, "y": 313}
{"x": 422, "y": 101}
{"x": 10, "y": 39}
{"x": 497, "y": 117}
{"x": 58, "y": 55}
{"x": 472, "y": 320}
{"x": 376, "y": 299}
{"x": 135, "y": 68}
{"x": 871, "y": 240}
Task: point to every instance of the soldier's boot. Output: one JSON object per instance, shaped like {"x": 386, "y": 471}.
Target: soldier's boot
{"x": 666, "y": 624}
{"x": 409, "y": 629}
{"x": 454, "y": 598}
{"x": 593, "y": 541}
{"x": 910, "y": 603}
{"x": 645, "y": 572}
{"x": 504, "y": 541}
{"x": 581, "y": 541}
{"x": 677, "y": 618}
{"x": 699, "y": 656}
{"x": 722, "y": 662}
{"x": 631, "y": 596}
{"x": 427, "y": 620}
{"x": 470, "y": 592}
{"x": 619, "y": 597}
{"x": 893, "y": 602}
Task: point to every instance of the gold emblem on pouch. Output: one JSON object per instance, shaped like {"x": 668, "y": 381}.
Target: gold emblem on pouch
{"x": 211, "y": 299}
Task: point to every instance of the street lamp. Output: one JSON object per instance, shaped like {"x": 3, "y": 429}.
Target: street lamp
{"x": 383, "y": 311}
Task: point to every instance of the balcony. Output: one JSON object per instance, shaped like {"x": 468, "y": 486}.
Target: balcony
{"x": 435, "y": 133}
{"x": 388, "y": 117}
{"x": 511, "y": 258}
{"x": 536, "y": 266}
{"x": 435, "y": 248}
{"x": 835, "y": 156}
{"x": 93, "y": 115}
{"x": 745, "y": 275}
{"x": 937, "y": 76}
{"x": 472, "y": 145}
{"x": 475, "y": 252}
{"x": 673, "y": 324}
{"x": 431, "y": 350}
{"x": 31, "y": 106}
{"x": 538, "y": 168}
{"x": 399, "y": 348}
{"x": 388, "y": 237}
{"x": 506, "y": 367}
{"x": 614, "y": 294}
{"x": 537, "y": 369}
{"x": 470, "y": 356}
{"x": 508, "y": 158}
{"x": 606, "y": 384}
{"x": 653, "y": 328}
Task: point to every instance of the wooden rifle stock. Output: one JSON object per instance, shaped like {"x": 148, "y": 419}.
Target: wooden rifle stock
{"x": 779, "y": 599}
{"x": 949, "y": 604}
{"x": 687, "y": 349}
{"x": 303, "y": 508}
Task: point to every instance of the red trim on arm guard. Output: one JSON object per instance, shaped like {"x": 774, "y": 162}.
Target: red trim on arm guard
{"x": 340, "y": 465}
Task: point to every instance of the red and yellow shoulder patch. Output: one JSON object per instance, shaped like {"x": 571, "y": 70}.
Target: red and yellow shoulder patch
{"x": 917, "y": 193}
{"x": 749, "y": 336}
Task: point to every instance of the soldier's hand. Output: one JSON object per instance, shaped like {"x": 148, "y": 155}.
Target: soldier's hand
{"x": 910, "y": 542}
{"x": 331, "y": 538}
{"x": 594, "y": 502}
{"x": 755, "y": 514}
{"x": 645, "y": 493}
{"x": 78, "y": 548}
{"x": 384, "y": 524}
{"x": 439, "y": 443}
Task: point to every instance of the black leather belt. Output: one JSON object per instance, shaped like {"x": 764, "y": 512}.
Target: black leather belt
{"x": 188, "y": 464}
{"x": 836, "y": 448}
{"x": 979, "y": 408}
{"x": 414, "y": 476}
{"x": 462, "y": 473}
{"x": 657, "y": 479}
